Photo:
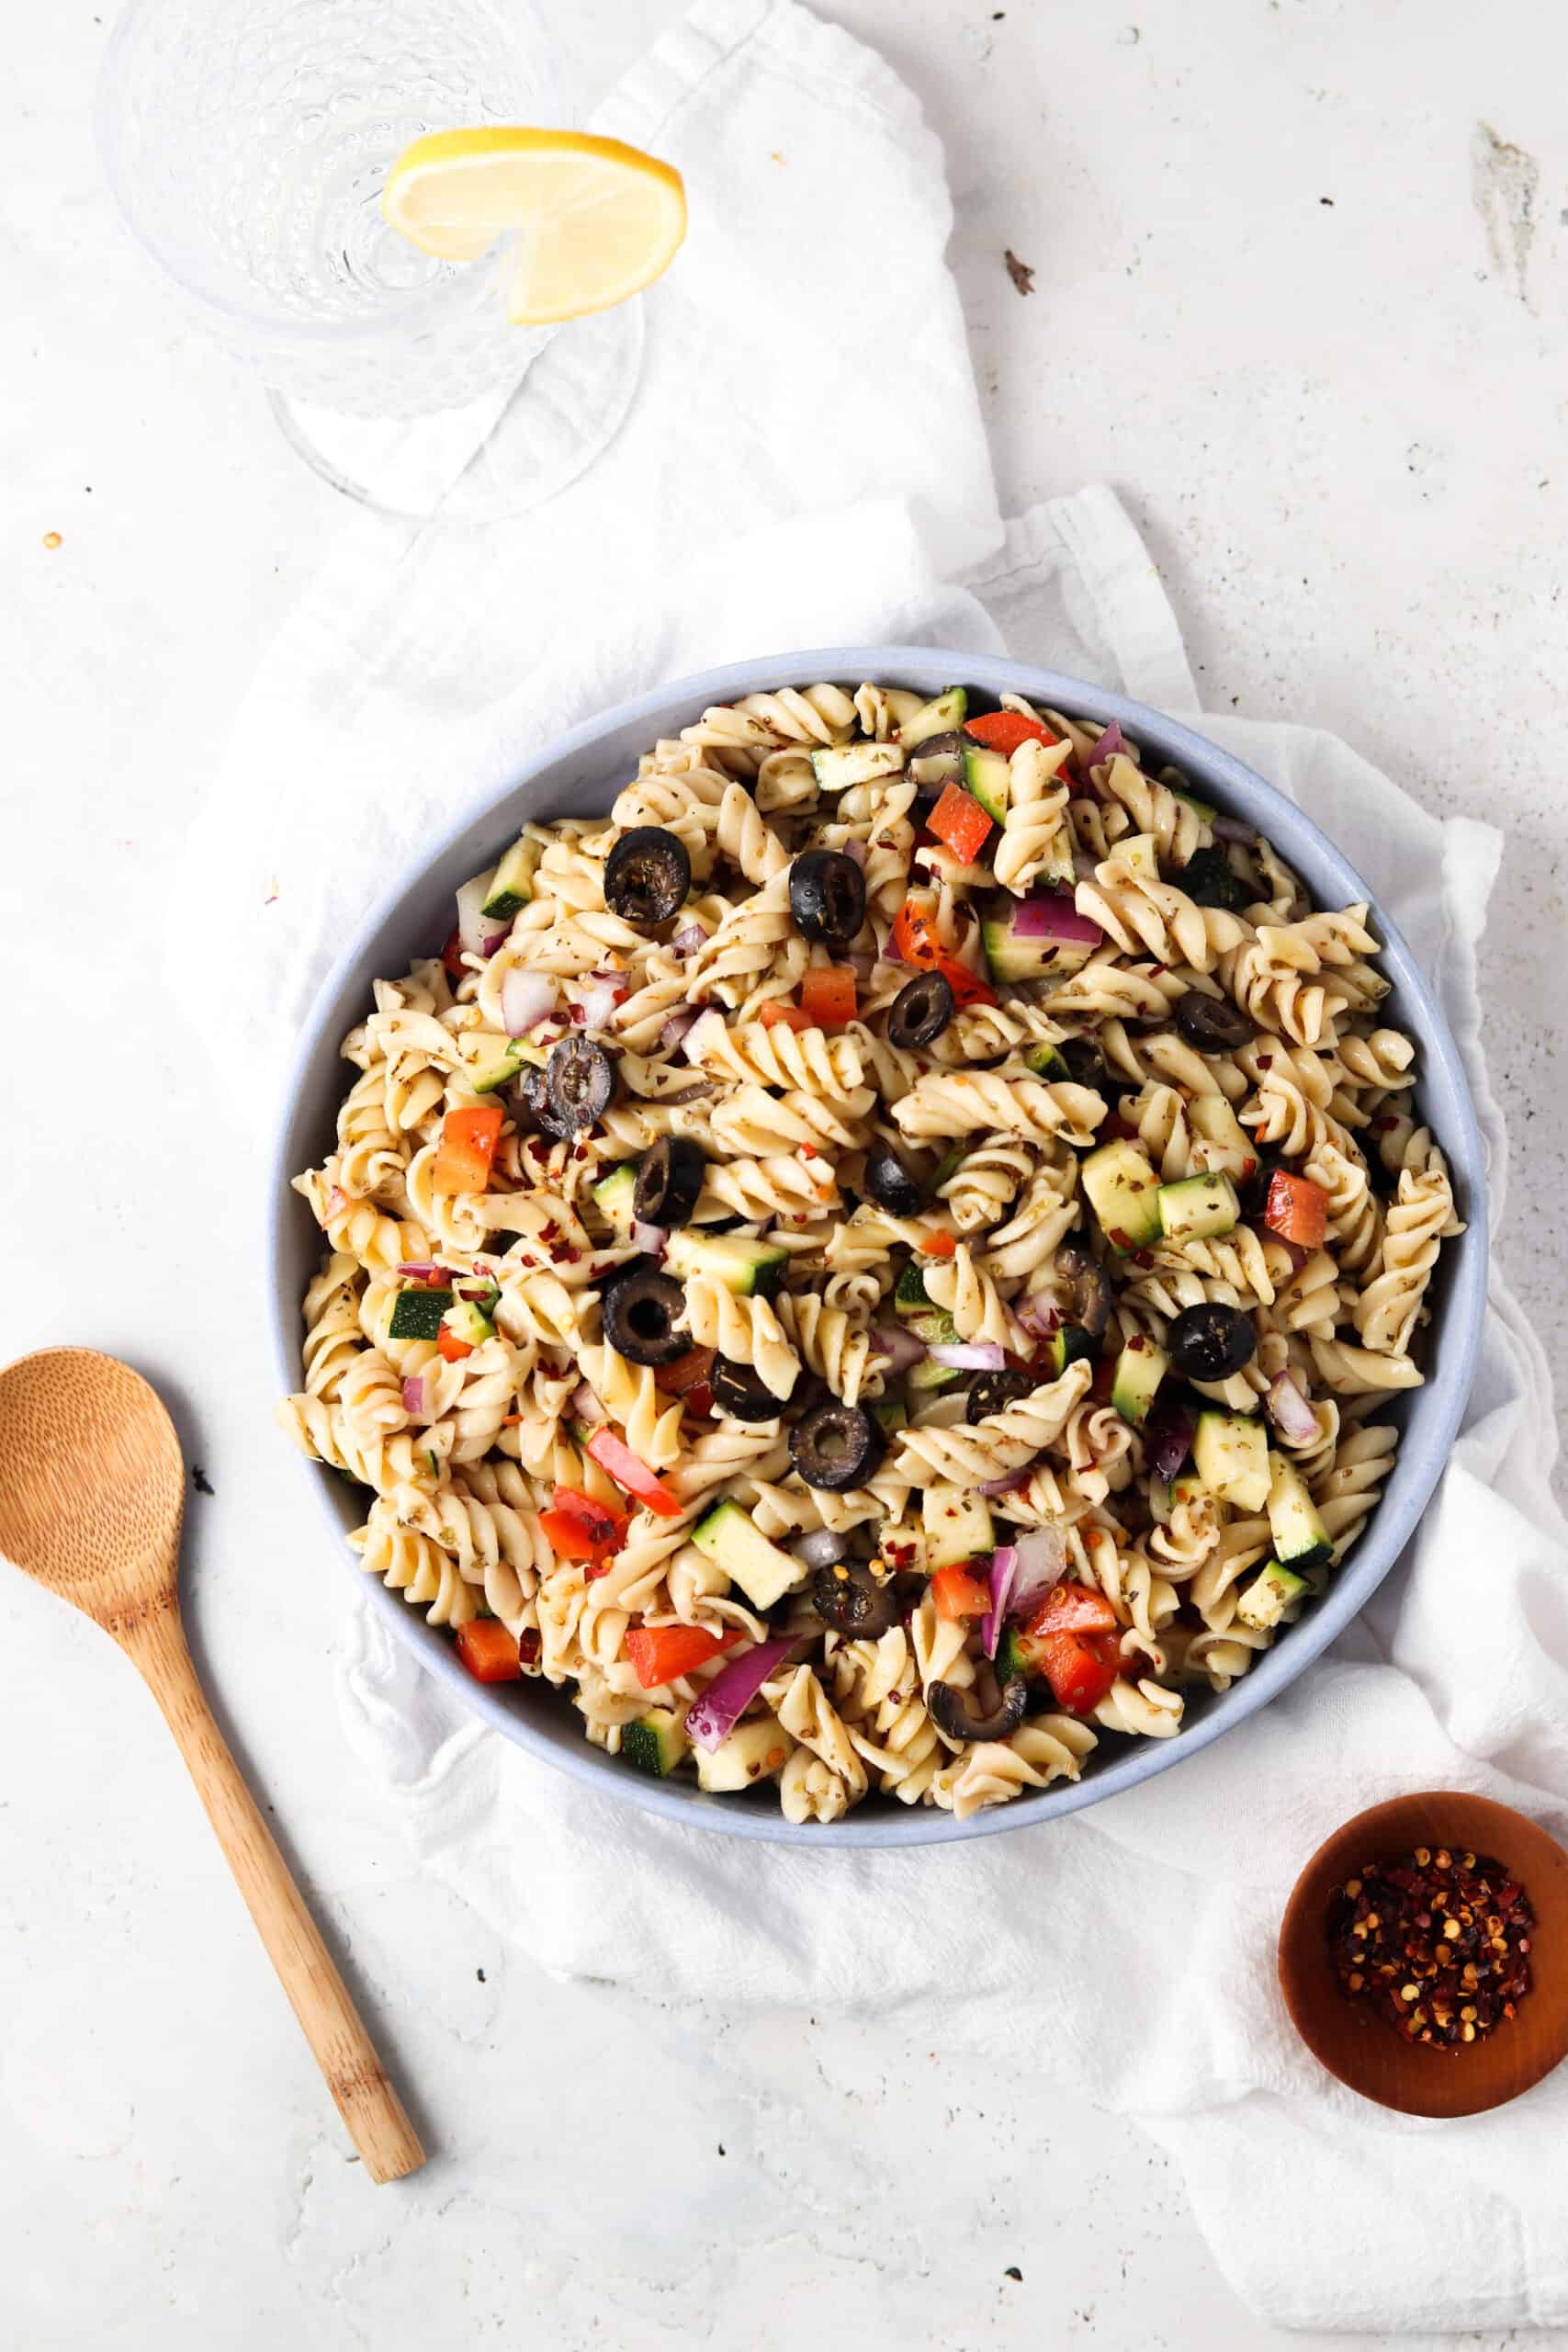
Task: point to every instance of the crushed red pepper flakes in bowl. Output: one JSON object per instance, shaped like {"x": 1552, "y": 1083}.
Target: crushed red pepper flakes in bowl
{"x": 1438, "y": 1940}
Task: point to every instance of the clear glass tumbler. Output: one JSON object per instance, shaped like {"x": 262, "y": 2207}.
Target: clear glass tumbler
{"x": 247, "y": 143}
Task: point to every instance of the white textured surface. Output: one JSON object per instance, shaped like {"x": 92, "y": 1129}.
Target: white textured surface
{"x": 1341, "y": 426}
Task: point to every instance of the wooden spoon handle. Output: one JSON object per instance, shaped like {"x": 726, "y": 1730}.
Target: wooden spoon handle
{"x": 345, "y": 2052}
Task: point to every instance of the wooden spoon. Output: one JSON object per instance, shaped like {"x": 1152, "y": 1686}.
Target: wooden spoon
{"x": 90, "y": 1506}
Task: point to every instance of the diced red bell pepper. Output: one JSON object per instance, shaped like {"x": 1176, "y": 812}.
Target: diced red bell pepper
{"x": 566, "y": 1536}
{"x": 1081, "y": 1668}
{"x": 686, "y": 1373}
{"x": 488, "y": 1651}
{"x": 938, "y": 1245}
{"x": 957, "y": 1593}
{"x": 916, "y": 941}
{"x": 662, "y": 1654}
{"x": 827, "y": 996}
{"x": 1296, "y": 1209}
{"x": 452, "y": 954}
{"x": 603, "y": 1526}
{"x": 1073, "y": 1609}
{"x": 613, "y": 1454}
{"x": 960, "y": 821}
{"x": 452, "y": 1349}
{"x": 469, "y": 1139}
{"x": 1004, "y": 730}
{"x": 792, "y": 1016}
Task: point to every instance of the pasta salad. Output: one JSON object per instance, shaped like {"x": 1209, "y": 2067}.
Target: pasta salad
{"x": 876, "y": 1266}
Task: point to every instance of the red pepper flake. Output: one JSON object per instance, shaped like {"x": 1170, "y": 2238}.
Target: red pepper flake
{"x": 1143, "y": 1258}
{"x": 1123, "y": 1240}
{"x": 529, "y": 1646}
{"x": 1438, "y": 1940}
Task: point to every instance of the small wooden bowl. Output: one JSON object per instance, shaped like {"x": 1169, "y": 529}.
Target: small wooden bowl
{"x": 1348, "y": 2037}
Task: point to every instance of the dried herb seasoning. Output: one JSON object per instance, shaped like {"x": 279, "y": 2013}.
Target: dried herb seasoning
{"x": 1438, "y": 1941}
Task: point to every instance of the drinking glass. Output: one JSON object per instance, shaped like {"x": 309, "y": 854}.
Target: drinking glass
{"x": 247, "y": 143}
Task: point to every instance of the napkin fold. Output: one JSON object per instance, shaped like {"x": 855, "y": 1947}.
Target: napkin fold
{"x": 806, "y": 464}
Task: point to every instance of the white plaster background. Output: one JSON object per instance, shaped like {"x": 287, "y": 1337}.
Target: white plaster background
{"x": 1342, "y": 426}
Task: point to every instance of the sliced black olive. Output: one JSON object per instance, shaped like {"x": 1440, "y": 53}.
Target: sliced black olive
{"x": 958, "y": 1712}
{"x": 836, "y": 1446}
{"x": 579, "y": 1079}
{"x": 1208, "y": 881}
{"x": 647, "y": 875}
{"x": 1085, "y": 1064}
{"x": 669, "y": 1180}
{"x": 827, "y": 896}
{"x": 850, "y": 1600}
{"x": 920, "y": 1010}
{"x": 1091, "y": 1294}
{"x": 938, "y": 761}
{"x": 1211, "y": 1023}
{"x": 993, "y": 1392}
{"x": 1209, "y": 1342}
{"x": 742, "y": 1392}
{"x": 890, "y": 1185}
{"x": 535, "y": 1112}
{"x": 640, "y": 1314}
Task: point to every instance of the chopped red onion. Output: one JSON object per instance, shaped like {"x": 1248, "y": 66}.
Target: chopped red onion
{"x": 1111, "y": 742}
{"x": 527, "y": 999}
{"x": 1038, "y": 1316}
{"x": 820, "y": 1549}
{"x": 1290, "y": 1413}
{"x": 715, "y": 1714}
{"x": 1008, "y": 1486}
{"x": 491, "y": 941}
{"x": 855, "y": 849}
{"x": 971, "y": 1355}
{"x": 583, "y": 1404}
{"x": 600, "y": 994}
{"x": 688, "y": 939}
{"x": 898, "y": 1344}
{"x": 861, "y": 963}
{"x": 650, "y": 1238}
{"x": 1232, "y": 828}
{"x": 675, "y": 1028}
{"x": 1051, "y": 915}
{"x": 1167, "y": 1440}
{"x": 475, "y": 929}
{"x": 414, "y": 1395}
{"x": 1041, "y": 1556}
{"x": 1003, "y": 1571}
{"x": 689, "y": 1043}
{"x": 422, "y": 1270}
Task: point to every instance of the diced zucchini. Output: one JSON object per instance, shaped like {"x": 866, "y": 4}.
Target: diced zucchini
{"x": 1230, "y": 1452}
{"x": 751, "y": 1269}
{"x": 985, "y": 776}
{"x": 949, "y": 1165}
{"x": 1301, "y": 1539}
{"x": 1047, "y": 1063}
{"x": 501, "y": 1072}
{"x": 655, "y": 1743}
{"x": 1015, "y": 1655}
{"x": 1123, "y": 1193}
{"x": 1226, "y": 1142}
{"x": 511, "y": 885}
{"x": 1208, "y": 880}
{"x": 1013, "y": 957}
{"x": 936, "y": 1327}
{"x": 1139, "y": 1368}
{"x": 846, "y": 763}
{"x": 734, "y": 1542}
{"x": 1268, "y": 1597}
{"x": 923, "y": 1379}
{"x": 1202, "y": 807}
{"x": 958, "y": 1523}
{"x": 892, "y": 1412}
{"x": 911, "y": 1296}
{"x": 613, "y": 1194}
{"x": 937, "y": 718}
{"x": 417, "y": 1313}
{"x": 1067, "y": 1343}
{"x": 466, "y": 1320}
{"x": 1199, "y": 1208}
{"x": 753, "y": 1752}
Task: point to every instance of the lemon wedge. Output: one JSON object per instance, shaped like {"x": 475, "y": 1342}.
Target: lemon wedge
{"x": 596, "y": 220}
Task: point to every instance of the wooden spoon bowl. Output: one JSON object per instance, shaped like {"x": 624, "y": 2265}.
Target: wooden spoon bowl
{"x": 91, "y": 1503}
{"x": 1363, "y": 2048}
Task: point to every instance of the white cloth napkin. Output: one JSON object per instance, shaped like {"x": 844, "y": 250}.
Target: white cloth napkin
{"x": 806, "y": 464}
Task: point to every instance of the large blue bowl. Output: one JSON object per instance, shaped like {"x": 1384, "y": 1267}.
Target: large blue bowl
{"x": 579, "y": 776}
